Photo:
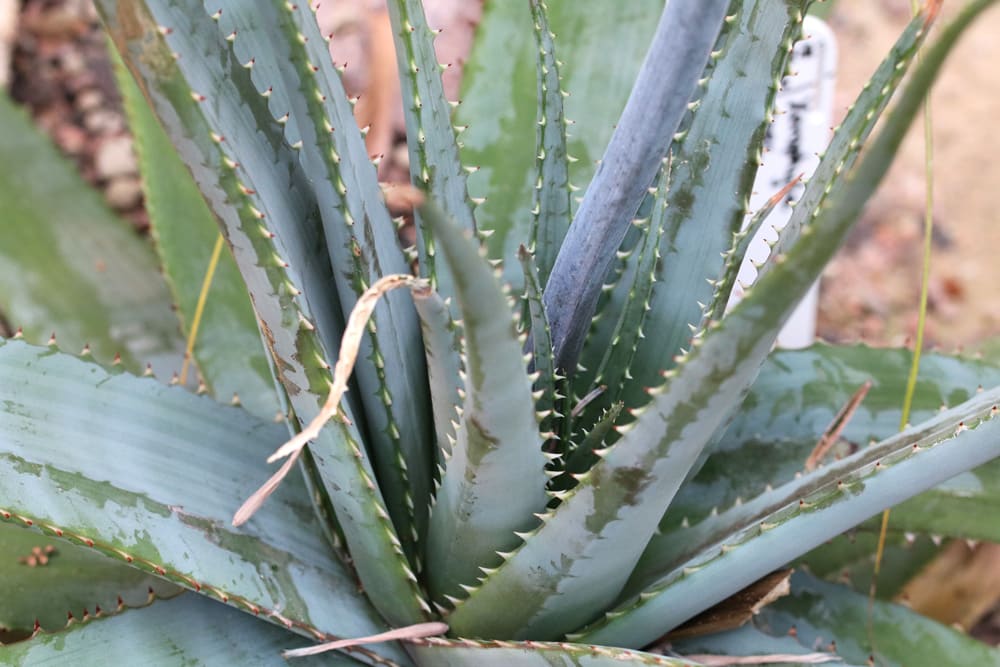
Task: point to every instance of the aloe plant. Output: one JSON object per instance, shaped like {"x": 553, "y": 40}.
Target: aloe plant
{"x": 561, "y": 476}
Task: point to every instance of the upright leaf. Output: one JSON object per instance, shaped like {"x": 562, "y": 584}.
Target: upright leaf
{"x": 718, "y": 152}
{"x": 610, "y": 516}
{"x": 601, "y": 46}
{"x": 495, "y": 479}
{"x": 676, "y": 58}
{"x": 551, "y": 210}
{"x": 290, "y": 62}
{"x": 253, "y": 181}
{"x": 434, "y": 161}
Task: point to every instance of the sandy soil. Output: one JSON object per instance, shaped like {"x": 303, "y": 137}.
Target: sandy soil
{"x": 871, "y": 290}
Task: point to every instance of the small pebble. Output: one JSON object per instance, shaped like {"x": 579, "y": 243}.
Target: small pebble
{"x": 89, "y": 99}
{"x": 123, "y": 193}
{"x": 103, "y": 121}
{"x": 115, "y": 158}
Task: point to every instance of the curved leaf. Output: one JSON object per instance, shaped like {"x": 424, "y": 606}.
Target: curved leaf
{"x": 150, "y": 475}
{"x": 70, "y": 582}
{"x": 791, "y": 403}
{"x": 189, "y": 630}
{"x": 752, "y": 539}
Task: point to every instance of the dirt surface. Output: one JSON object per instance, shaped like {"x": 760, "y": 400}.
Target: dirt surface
{"x": 871, "y": 289}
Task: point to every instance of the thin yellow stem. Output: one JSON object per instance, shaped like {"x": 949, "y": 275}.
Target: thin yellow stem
{"x": 199, "y": 309}
{"x": 918, "y": 345}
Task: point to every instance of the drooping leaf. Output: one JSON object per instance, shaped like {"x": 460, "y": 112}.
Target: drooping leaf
{"x": 49, "y": 581}
{"x": 150, "y": 475}
{"x": 189, "y": 630}
{"x": 750, "y": 540}
{"x": 69, "y": 266}
{"x": 266, "y": 205}
{"x": 495, "y": 479}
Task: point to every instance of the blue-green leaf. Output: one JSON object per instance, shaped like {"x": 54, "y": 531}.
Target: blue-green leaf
{"x": 495, "y": 479}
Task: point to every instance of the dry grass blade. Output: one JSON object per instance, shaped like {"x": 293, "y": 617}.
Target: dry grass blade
{"x": 836, "y": 427}
{"x": 418, "y": 631}
{"x": 350, "y": 343}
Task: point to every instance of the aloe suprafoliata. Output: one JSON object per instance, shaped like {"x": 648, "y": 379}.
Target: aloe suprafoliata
{"x": 561, "y": 478}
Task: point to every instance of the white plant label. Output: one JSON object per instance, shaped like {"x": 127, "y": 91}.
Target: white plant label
{"x": 800, "y": 131}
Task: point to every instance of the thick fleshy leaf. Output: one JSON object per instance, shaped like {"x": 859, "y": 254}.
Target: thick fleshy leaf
{"x": 69, "y": 266}
{"x": 229, "y": 352}
{"x": 291, "y": 64}
{"x": 253, "y": 181}
{"x": 443, "y": 350}
{"x": 541, "y": 341}
{"x": 611, "y": 515}
{"x": 824, "y": 613}
{"x": 966, "y": 506}
{"x": 467, "y": 653}
{"x": 434, "y": 160}
{"x": 189, "y": 630}
{"x": 495, "y": 479}
{"x": 552, "y": 208}
{"x": 718, "y": 151}
{"x": 677, "y": 56}
{"x": 150, "y": 475}
{"x": 794, "y": 399}
{"x": 49, "y": 581}
{"x": 731, "y": 550}
{"x": 600, "y": 45}
{"x": 609, "y": 354}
